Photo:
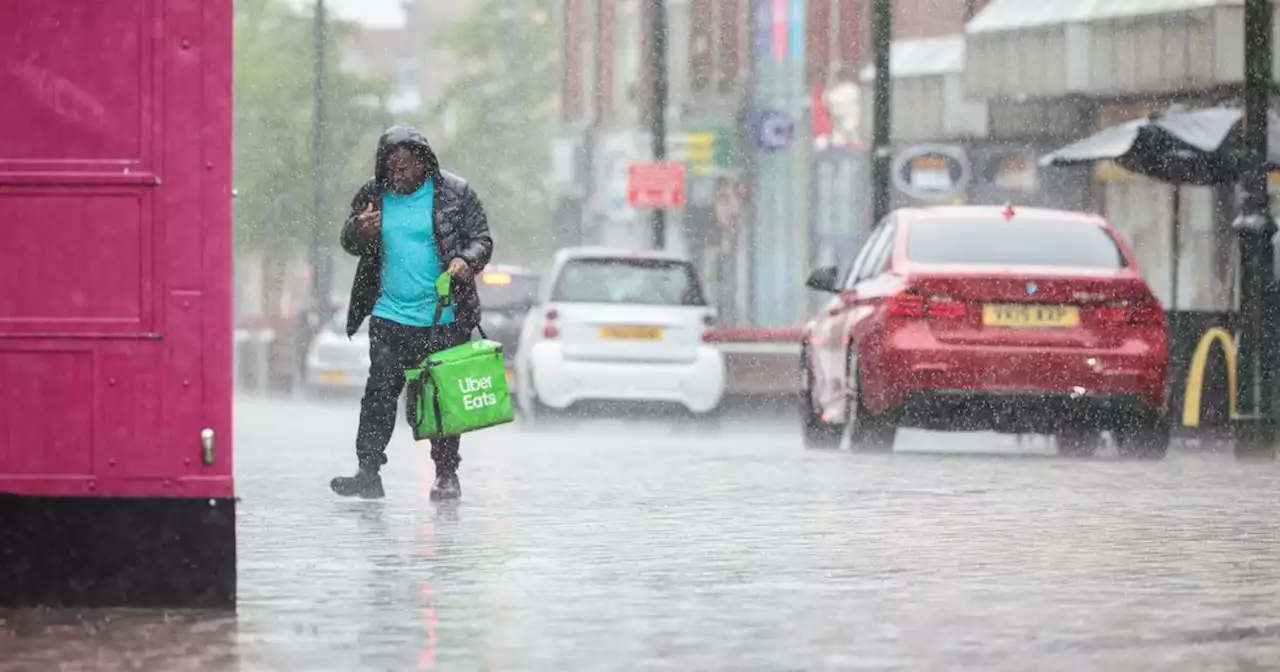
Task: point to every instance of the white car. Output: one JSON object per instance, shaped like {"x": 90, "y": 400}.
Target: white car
{"x": 619, "y": 326}
{"x": 335, "y": 362}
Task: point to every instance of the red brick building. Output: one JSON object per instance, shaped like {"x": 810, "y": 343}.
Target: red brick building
{"x": 605, "y": 45}
{"x": 605, "y": 92}
{"x": 714, "y": 57}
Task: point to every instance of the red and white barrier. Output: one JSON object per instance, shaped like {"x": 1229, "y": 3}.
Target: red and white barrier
{"x": 760, "y": 360}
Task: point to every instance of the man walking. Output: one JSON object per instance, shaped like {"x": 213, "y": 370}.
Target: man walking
{"x": 408, "y": 224}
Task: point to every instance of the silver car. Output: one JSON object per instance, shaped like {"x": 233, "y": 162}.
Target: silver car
{"x": 335, "y": 362}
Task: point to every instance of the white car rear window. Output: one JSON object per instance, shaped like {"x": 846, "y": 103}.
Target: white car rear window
{"x": 622, "y": 280}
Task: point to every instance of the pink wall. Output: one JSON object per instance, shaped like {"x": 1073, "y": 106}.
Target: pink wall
{"x": 115, "y": 246}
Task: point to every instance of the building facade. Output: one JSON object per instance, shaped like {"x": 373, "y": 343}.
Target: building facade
{"x": 606, "y": 107}
{"x": 1105, "y": 63}
{"x": 981, "y": 89}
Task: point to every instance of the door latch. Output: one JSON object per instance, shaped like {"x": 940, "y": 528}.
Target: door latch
{"x": 206, "y": 445}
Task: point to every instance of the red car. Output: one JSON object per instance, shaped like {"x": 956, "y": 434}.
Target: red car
{"x": 988, "y": 318}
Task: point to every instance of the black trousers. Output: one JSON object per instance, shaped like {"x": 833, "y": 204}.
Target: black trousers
{"x": 394, "y": 347}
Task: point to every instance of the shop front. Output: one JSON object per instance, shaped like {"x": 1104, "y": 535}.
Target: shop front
{"x": 711, "y": 221}
{"x": 570, "y": 171}
{"x": 1084, "y": 67}
{"x": 953, "y": 147}
{"x": 935, "y": 125}
{"x": 839, "y": 172}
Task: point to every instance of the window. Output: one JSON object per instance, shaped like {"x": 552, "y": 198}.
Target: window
{"x": 626, "y": 52}
{"x": 879, "y": 257}
{"x": 587, "y": 60}
{"x": 1015, "y": 242}
{"x": 505, "y": 291}
{"x": 406, "y": 94}
{"x": 624, "y": 280}
{"x": 697, "y": 47}
{"x": 405, "y": 73}
{"x": 855, "y": 272}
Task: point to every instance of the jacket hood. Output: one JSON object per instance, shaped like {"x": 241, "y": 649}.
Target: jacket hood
{"x": 403, "y": 135}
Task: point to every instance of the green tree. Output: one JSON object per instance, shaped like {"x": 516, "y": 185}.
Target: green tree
{"x": 504, "y": 101}
{"x": 273, "y": 111}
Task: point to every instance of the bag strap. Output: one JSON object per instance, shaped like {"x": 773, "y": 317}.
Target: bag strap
{"x": 440, "y": 306}
{"x": 444, "y": 299}
{"x": 444, "y": 296}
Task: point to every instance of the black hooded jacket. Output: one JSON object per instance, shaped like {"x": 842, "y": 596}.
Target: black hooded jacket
{"x": 461, "y": 230}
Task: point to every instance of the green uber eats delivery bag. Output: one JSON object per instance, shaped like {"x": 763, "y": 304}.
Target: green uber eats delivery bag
{"x": 458, "y": 390}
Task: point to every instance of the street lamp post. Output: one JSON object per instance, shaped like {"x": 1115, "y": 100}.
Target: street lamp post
{"x": 658, "y": 114}
{"x": 1255, "y": 230}
{"x": 881, "y": 42}
{"x": 318, "y": 255}
{"x": 318, "y": 249}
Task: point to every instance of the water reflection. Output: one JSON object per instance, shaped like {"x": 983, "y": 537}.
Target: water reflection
{"x": 417, "y": 589}
{"x": 118, "y": 639}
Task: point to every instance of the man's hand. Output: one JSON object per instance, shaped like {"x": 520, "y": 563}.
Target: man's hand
{"x": 460, "y": 269}
{"x": 369, "y": 222}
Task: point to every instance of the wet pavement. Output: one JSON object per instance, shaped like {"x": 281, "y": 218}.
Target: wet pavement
{"x": 645, "y": 547}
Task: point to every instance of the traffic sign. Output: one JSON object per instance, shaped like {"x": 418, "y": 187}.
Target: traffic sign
{"x": 931, "y": 172}
{"x": 705, "y": 152}
{"x": 656, "y": 185}
{"x": 695, "y": 149}
{"x": 773, "y": 129}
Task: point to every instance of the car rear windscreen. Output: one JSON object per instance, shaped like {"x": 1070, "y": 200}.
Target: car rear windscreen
{"x": 1015, "y": 242}
{"x": 643, "y": 281}
{"x": 500, "y": 290}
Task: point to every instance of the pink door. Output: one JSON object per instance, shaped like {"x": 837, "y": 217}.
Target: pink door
{"x": 115, "y": 249}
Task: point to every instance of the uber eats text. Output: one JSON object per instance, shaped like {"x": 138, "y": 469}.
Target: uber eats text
{"x": 475, "y": 394}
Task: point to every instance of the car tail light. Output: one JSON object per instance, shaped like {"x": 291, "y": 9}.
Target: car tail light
{"x": 550, "y": 330}
{"x": 1144, "y": 311}
{"x": 946, "y": 307}
{"x": 906, "y": 305}
{"x": 708, "y": 323}
{"x": 910, "y": 305}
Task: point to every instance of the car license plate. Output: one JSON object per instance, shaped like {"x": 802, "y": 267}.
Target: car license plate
{"x": 631, "y": 333}
{"x": 1030, "y": 315}
{"x": 333, "y": 377}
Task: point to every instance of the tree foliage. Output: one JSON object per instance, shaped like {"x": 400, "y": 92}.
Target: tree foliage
{"x": 503, "y": 101}
{"x": 274, "y": 46}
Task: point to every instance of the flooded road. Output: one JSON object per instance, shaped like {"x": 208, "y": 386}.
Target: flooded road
{"x": 622, "y": 547}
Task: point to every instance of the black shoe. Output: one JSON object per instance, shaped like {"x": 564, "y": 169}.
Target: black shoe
{"x": 365, "y": 485}
{"x": 446, "y": 487}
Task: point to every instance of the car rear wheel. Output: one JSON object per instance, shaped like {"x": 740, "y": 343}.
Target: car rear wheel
{"x": 817, "y": 434}
{"x": 538, "y": 417}
{"x": 1147, "y": 439}
{"x": 867, "y": 432}
{"x": 1077, "y": 443}
{"x": 693, "y": 422}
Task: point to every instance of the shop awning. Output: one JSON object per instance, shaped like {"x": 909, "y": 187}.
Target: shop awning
{"x": 932, "y": 56}
{"x": 1051, "y": 48}
{"x": 1008, "y": 15}
{"x": 928, "y": 91}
